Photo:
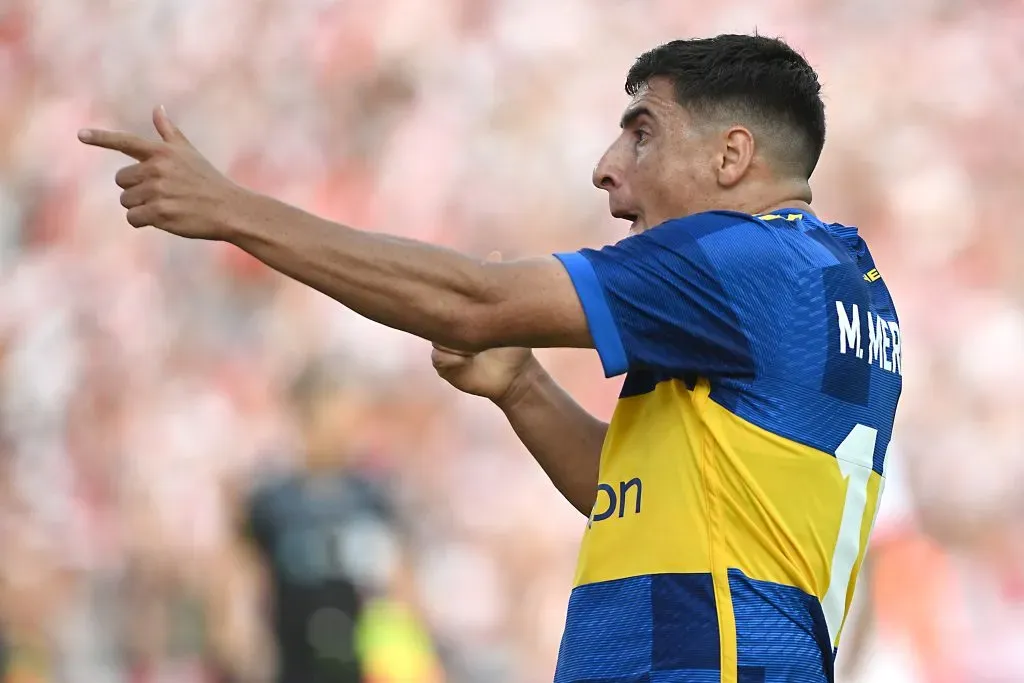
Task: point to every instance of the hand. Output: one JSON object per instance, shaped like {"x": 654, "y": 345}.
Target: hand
{"x": 492, "y": 374}
{"x": 172, "y": 187}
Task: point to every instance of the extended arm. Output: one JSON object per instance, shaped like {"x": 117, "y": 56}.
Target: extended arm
{"x": 603, "y": 300}
{"x": 429, "y": 291}
{"x": 564, "y": 438}
{"x": 652, "y": 302}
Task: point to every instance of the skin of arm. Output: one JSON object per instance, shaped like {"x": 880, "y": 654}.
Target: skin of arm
{"x": 435, "y": 293}
{"x": 455, "y": 301}
{"x": 428, "y": 291}
{"x": 425, "y": 290}
{"x": 564, "y": 439}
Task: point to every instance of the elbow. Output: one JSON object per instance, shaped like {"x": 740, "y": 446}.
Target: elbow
{"x": 468, "y": 329}
{"x": 474, "y": 321}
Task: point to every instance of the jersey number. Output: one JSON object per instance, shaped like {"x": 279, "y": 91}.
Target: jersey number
{"x": 855, "y": 458}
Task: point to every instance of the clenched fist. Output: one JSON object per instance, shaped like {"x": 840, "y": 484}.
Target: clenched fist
{"x": 172, "y": 186}
{"x": 492, "y": 374}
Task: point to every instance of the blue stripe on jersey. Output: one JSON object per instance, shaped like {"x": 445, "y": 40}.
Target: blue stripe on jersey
{"x": 781, "y": 630}
{"x": 685, "y": 628}
{"x": 664, "y": 625}
{"x": 603, "y": 330}
{"x": 845, "y": 376}
{"x": 691, "y": 676}
{"x": 667, "y": 298}
{"x": 608, "y": 633}
{"x": 809, "y": 378}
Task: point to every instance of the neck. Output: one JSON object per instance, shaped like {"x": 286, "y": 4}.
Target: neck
{"x": 780, "y": 195}
{"x": 326, "y": 458}
{"x": 792, "y": 204}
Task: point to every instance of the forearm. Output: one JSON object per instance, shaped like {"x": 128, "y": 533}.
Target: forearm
{"x": 564, "y": 438}
{"x": 407, "y": 285}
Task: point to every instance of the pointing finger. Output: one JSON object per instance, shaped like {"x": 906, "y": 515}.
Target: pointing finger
{"x": 168, "y": 131}
{"x": 126, "y": 143}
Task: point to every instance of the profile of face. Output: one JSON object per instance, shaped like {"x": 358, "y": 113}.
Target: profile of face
{"x": 666, "y": 164}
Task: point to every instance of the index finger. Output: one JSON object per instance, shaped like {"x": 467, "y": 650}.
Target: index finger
{"x": 126, "y": 143}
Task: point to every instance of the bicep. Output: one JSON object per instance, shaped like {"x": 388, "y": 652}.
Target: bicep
{"x": 656, "y": 301}
{"x": 531, "y": 303}
{"x": 660, "y": 302}
{"x": 672, "y": 312}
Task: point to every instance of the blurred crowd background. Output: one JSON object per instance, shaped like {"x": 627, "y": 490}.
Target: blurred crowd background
{"x": 145, "y": 381}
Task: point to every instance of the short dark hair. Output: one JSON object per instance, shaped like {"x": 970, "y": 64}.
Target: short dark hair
{"x": 761, "y": 79}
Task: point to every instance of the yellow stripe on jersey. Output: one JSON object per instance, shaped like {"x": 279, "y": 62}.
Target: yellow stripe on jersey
{"x": 688, "y": 487}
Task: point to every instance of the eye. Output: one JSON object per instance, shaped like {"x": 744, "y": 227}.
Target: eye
{"x": 640, "y": 136}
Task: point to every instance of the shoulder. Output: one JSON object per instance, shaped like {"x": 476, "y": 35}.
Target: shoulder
{"x": 705, "y": 224}
{"x": 734, "y": 243}
{"x": 693, "y": 251}
{"x": 727, "y": 233}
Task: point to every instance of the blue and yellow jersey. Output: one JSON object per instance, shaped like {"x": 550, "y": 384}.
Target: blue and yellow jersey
{"x": 744, "y": 463}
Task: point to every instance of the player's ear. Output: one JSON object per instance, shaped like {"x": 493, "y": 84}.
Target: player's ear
{"x": 736, "y": 156}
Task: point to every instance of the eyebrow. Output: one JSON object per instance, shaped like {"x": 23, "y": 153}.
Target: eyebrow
{"x": 631, "y": 115}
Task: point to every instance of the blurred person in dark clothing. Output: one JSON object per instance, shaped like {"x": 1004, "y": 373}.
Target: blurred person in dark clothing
{"x": 326, "y": 535}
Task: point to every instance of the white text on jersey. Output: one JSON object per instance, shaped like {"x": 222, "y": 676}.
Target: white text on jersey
{"x": 883, "y": 337}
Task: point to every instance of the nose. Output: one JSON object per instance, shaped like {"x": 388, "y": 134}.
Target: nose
{"x": 606, "y": 174}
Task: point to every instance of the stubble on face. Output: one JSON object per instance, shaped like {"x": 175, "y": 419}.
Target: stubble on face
{"x": 667, "y": 173}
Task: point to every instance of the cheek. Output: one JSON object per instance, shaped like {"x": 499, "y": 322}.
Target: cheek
{"x": 673, "y": 187}
{"x": 652, "y": 168}
{"x": 660, "y": 173}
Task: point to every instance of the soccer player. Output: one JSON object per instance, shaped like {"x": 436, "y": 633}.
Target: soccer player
{"x": 316, "y": 531}
{"x": 731, "y": 497}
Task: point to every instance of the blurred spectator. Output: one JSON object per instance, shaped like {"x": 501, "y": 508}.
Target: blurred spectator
{"x": 327, "y": 537}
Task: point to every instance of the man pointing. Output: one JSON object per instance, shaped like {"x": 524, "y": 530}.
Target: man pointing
{"x": 731, "y": 497}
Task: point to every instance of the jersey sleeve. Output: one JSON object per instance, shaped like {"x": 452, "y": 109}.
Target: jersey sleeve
{"x": 666, "y": 300}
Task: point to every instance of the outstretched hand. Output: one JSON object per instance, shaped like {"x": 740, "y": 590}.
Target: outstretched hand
{"x": 172, "y": 186}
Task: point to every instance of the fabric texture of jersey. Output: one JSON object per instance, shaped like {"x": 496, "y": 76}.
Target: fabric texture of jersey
{"x": 744, "y": 463}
